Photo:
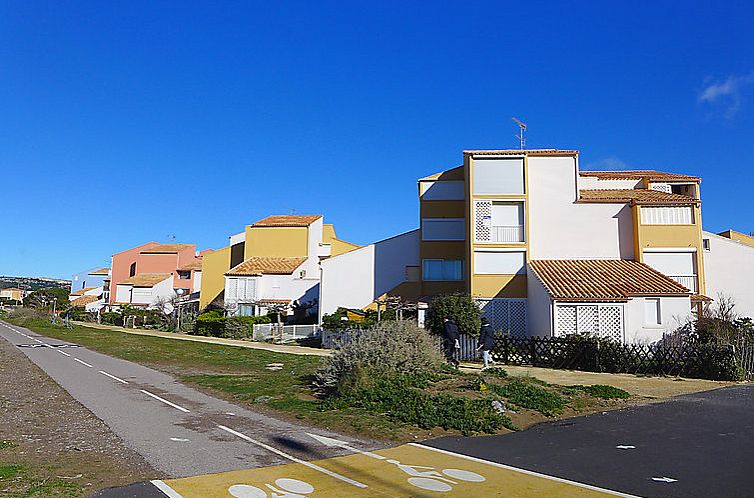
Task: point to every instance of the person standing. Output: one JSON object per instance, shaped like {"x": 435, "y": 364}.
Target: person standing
{"x": 452, "y": 336}
{"x": 486, "y": 341}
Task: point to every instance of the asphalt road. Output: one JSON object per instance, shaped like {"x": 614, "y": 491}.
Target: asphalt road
{"x": 179, "y": 431}
{"x": 699, "y": 445}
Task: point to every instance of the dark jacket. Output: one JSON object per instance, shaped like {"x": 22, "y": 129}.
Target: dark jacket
{"x": 451, "y": 331}
{"x": 486, "y": 337}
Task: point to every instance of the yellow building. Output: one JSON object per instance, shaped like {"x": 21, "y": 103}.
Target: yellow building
{"x": 286, "y": 238}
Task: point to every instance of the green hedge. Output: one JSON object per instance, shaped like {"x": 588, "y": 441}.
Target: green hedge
{"x": 214, "y": 324}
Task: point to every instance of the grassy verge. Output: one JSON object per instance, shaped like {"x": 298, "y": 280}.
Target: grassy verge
{"x": 451, "y": 403}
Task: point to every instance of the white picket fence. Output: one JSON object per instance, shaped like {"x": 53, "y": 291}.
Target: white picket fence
{"x": 265, "y": 332}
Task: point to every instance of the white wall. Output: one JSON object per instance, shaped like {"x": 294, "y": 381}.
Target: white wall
{"x": 674, "y": 312}
{"x": 561, "y": 229}
{"x": 539, "y": 307}
{"x": 729, "y": 270}
{"x": 197, "y": 286}
{"x": 123, "y": 294}
{"x": 347, "y": 280}
{"x": 356, "y": 278}
{"x": 594, "y": 183}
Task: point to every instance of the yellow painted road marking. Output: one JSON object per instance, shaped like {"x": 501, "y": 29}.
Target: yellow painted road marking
{"x": 405, "y": 471}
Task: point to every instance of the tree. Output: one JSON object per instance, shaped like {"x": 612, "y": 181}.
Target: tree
{"x": 43, "y": 298}
{"x": 461, "y": 307}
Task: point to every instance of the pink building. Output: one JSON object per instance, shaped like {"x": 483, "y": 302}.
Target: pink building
{"x": 139, "y": 274}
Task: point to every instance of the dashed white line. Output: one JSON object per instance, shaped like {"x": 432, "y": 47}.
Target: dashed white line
{"x": 113, "y": 377}
{"x": 165, "y": 401}
{"x": 83, "y": 362}
{"x": 62, "y": 352}
{"x": 293, "y": 458}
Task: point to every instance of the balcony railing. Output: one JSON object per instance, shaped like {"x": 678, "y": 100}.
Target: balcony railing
{"x": 507, "y": 233}
{"x": 688, "y": 281}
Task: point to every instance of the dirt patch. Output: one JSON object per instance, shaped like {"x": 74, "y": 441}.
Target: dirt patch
{"x": 50, "y": 445}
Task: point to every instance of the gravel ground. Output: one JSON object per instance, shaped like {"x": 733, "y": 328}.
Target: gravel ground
{"x": 54, "y": 439}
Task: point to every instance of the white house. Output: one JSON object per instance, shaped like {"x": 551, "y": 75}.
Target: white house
{"x": 729, "y": 268}
{"x": 359, "y": 277}
{"x": 623, "y": 300}
{"x": 89, "y": 298}
{"x": 145, "y": 290}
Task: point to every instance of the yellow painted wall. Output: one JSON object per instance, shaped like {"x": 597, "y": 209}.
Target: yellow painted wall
{"x": 670, "y": 236}
{"x": 337, "y": 246}
{"x": 739, "y": 237}
{"x": 281, "y": 242}
{"x": 214, "y": 266}
{"x": 498, "y": 286}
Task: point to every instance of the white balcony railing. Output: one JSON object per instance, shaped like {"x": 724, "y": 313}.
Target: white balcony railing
{"x": 508, "y": 233}
{"x": 688, "y": 281}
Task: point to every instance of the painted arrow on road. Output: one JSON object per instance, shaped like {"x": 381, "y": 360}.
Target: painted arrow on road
{"x": 664, "y": 479}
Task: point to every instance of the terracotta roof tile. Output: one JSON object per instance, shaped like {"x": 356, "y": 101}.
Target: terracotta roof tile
{"x": 634, "y": 196}
{"x": 81, "y": 292}
{"x": 195, "y": 265}
{"x": 145, "y": 279}
{"x": 521, "y": 152}
{"x": 266, "y": 265}
{"x": 101, "y": 271}
{"x": 274, "y": 301}
{"x": 294, "y": 220}
{"x": 701, "y": 298}
{"x": 603, "y": 280}
{"x": 84, "y": 300}
{"x": 651, "y": 175}
{"x": 166, "y": 248}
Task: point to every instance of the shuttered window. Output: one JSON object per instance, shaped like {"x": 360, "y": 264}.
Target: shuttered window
{"x": 680, "y": 215}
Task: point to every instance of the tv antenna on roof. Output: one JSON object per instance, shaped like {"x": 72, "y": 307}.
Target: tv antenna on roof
{"x": 521, "y": 138}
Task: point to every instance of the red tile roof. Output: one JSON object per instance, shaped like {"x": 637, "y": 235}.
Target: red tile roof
{"x": 651, "y": 175}
{"x": 145, "y": 279}
{"x": 83, "y": 301}
{"x": 166, "y": 248}
{"x": 599, "y": 280}
{"x": 101, "y": 271}
{"x": 634, "y": 196}
{"x": 294, "y": 220}
{"x": 81, "y": 292}
{"x": 266, "y": 266}
{"x": 195, "y": 265}
{"x": 522, "y": 152}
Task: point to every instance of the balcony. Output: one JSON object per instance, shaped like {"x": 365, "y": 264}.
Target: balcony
{"x": 688, "y": 281}
{"x": 502, "y": 234}
{"x": 324, "y": 250}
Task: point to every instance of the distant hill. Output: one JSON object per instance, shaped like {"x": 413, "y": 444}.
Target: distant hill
{"x": 33, "y": 283}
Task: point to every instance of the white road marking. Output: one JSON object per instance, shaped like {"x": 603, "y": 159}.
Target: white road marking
{"x": 165, "y": 401}
{"x": 625, "y": 447}
{"x": 293, "y": 458}
{"x": 527, "y": 472}
{"x": 664, "y": 479}
{"x": 113, "y": 377}
{"x": 83, "y": 362}
{"x": 169, "y": 492}
{"x": 179, "y": 439}
{"x": 330, "y": 442}
{"x": 62, "y": 352}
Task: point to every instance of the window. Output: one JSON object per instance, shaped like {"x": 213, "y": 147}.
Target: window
{"x": 132, "y": 270}
{"x": 498, "y": 176}
{"x": 705, "y": 244}
{"x": 652, "y": 314}
{"x": 442, "y": 191}
{"x": 184, "y": 275}
{"x": 443, "y": 229}
{"x": 442, "y": 269}
{"x": 246, "y": 310}
{"x": 499, "y": 262}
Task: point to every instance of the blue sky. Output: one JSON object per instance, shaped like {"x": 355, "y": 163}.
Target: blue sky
{"x": 125, "y": 122}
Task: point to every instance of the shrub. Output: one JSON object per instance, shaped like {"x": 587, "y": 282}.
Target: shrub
{"x": 211, "y": 323}
{"x": 527, "y": 395}
{"x": 461, "y": 307}
{"x": 389, "y": 349}
{"x": 242, "y": 327}
{"x": 400, "y": 398}
{"x": 602, "y": 391}
{"x": 496, "y": 372}
{"x": 111, "y": 318}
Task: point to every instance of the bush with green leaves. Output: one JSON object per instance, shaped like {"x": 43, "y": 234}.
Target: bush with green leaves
{"x": 400, "y": 397}
{"x": 528, "y": 395}
{"x": 461, "y": 307}
{"x": 215, "y": 324}
{"x": 111, "y": 318}
{"x": 211, "y": 323}
{"x": 388, "y": 349}
{"x": 338, "y": 319}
